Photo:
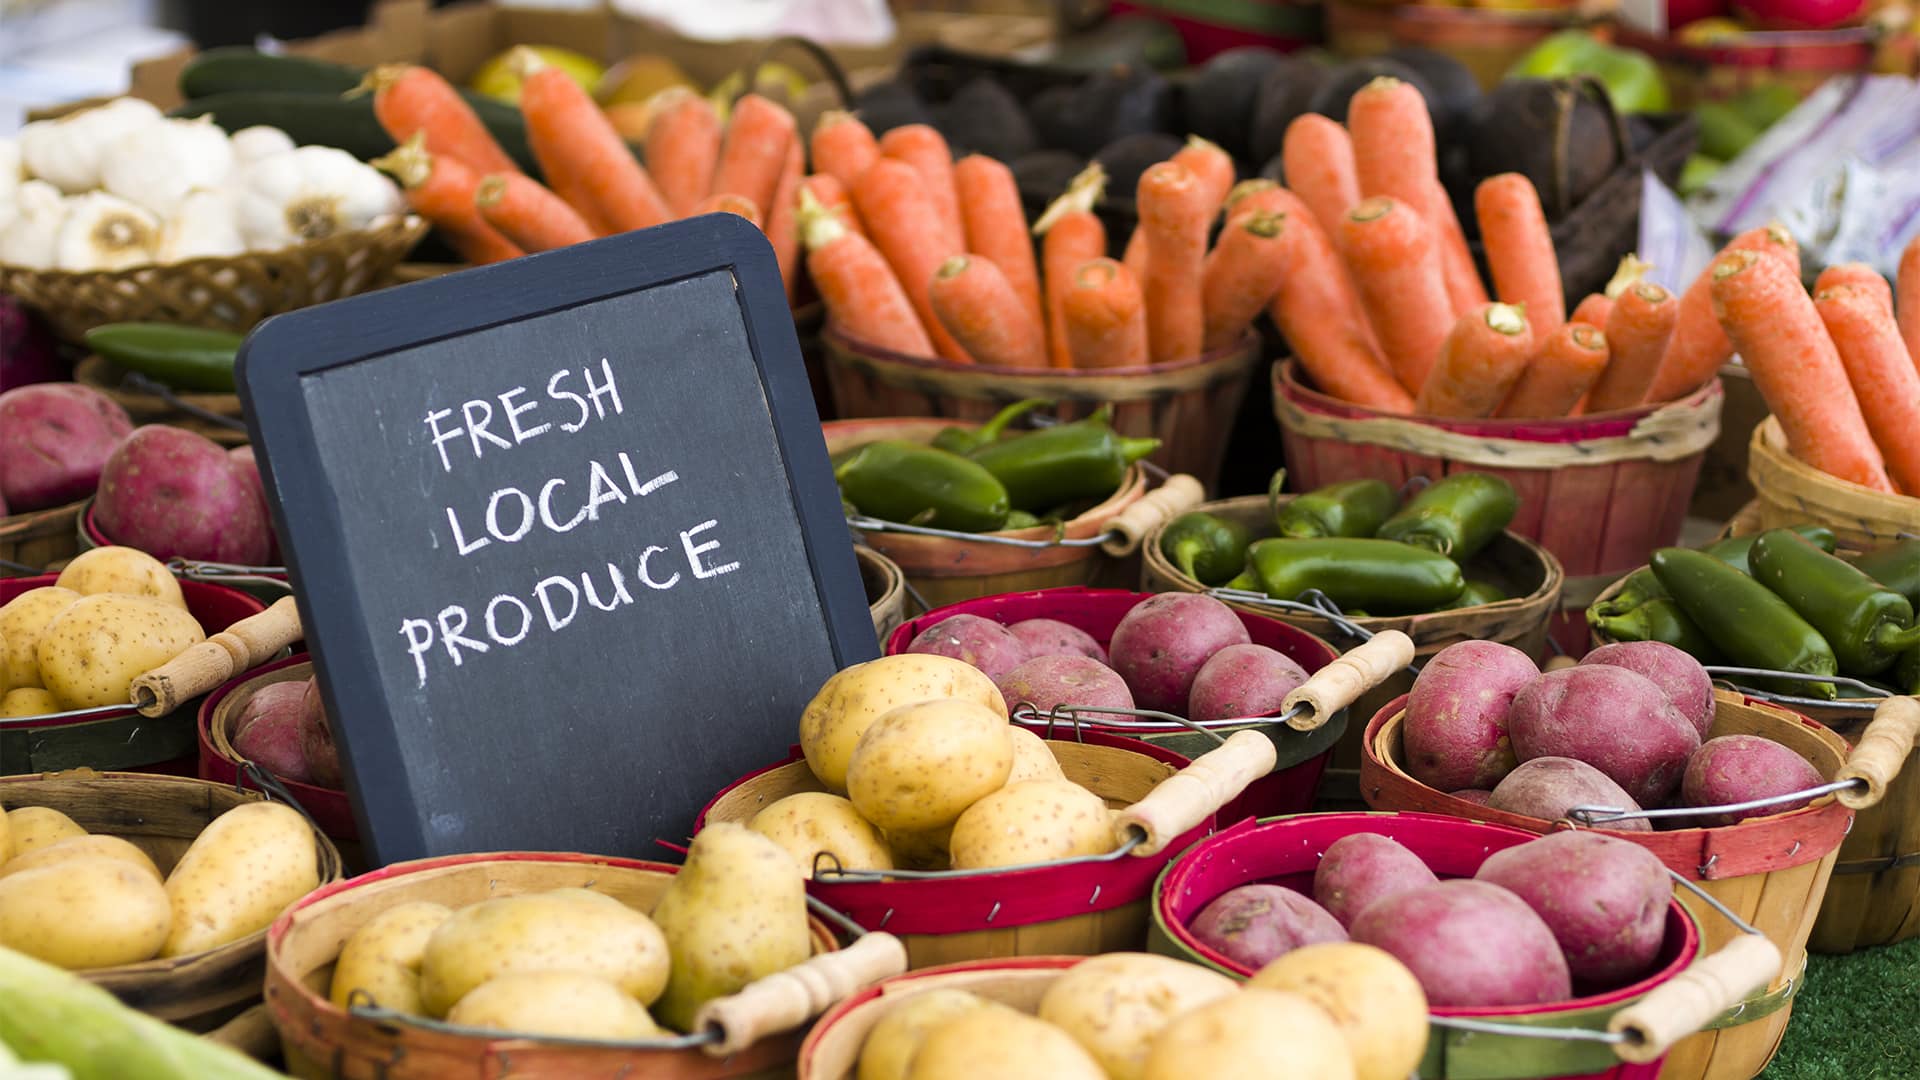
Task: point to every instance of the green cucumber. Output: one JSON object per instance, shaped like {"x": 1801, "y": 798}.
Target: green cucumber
{"x": 183, "y": 357}
{"x": 233, "y": 68}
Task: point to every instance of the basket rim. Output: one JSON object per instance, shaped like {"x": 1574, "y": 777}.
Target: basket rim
{"x": 26, "y": 520}
{"x": 1769, "y": 443}
{"x": 98, "y": 537}
{"x": 214, "y": 741}
{"x": 1244, "y": 352}
{"x": 399, "y": 226}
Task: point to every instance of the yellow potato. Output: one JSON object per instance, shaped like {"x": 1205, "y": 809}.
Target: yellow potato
{"x": 91, "y": 652}
{"x": 86, "y": 912}
{"x": 542, "y": 932}
{"x": 1255, "y": 1034}
{"x": 559, "y": 1003}
{"x": 1032, "y": 821}
{"x": 1115, "y": 1004}
{"x": 811, "y": 822}
{"x": 919, "y": 766}
{"x": 1005, "y": 1045}
{"x": 22, "y": 620}
{"x": 238, "y": 875}
{"x": 382, "y": 958}
{"x": 853, "y": 699}
{"x": 890, "y": 1046}
{"x": 736, "y": 912}
{"x": 97, "y": 845}
{"x": 38, "y": 826}
{"x": 123, "y": 570}
{"x": 28, "y": 701}
{"x": 1374, "y": 1000}
{"x": 1031, "y": 758}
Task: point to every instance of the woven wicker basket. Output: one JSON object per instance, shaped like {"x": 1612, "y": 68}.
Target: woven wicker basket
{"x": 1791, "y": 492}
{"x": 220, "y": 294}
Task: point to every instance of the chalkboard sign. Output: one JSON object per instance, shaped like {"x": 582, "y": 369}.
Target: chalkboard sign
{"x": 565, "y": 537}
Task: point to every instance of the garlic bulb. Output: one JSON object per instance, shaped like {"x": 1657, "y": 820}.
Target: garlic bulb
{"x": 10, "y": 174}
{"x": 205, "y": 225}
{"x": 259, "y": 141}
{"x": 67, "y": 152}
{"x": 28, "y": 240}
{"x": 158, "y": 165}
{"x": 309, "y": 194}
{"x": 105, "y": 232}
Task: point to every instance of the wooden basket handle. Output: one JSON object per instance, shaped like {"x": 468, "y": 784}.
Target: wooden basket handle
{"x": 787, "y": 999}
{"x": 1185, "y": 799}
{"x": 1133, "y": 525}
{"x": 1559, "y": 662}
{"x": 1351, "y": 674}
{"x": 1694, "y": 998}
{"x": 246, "y": 644}
{"x": 1883, "y": 748}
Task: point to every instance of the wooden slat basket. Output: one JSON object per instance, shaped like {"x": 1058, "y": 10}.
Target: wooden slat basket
{"x": 219, "y": 762}
{"x": 215, "y": 415}
{"x": 886, "y": 589}
{"x": 40, "y": 539}
{"x": 161, "y": 815}
{"x": 1791, "y": 492}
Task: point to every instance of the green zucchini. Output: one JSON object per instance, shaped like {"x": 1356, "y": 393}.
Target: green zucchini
{"x": 236, "y": 67}
{"x": 347, "y": 123}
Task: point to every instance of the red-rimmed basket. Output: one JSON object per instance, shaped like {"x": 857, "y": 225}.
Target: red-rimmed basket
{"x": 124, "y": 741}
{"x": 1771, "y": 871}
{"x": 1600, "y": 492}
{"x": 1073, "y": 908}
{"x": 219, "y": 761}
{"x": 1284, "y": 851}
{"x": 1303, "y": 755}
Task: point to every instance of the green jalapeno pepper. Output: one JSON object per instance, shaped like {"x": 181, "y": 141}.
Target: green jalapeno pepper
{"x": 1746, "y": 622}
{"x": 1381, "y": 575}
{"x": 1456, "y": 516}
{"x": 183, "y": 357}
{"x": 1206, "y": 548}
{"x": 1020, "y": 519}
{"x": 1060, "y": 464}
{"x": 1657, "y": 618}
{"x": 1475, "y": 594}
{"x": 1641, "y": 585}
{"x": 919, "y": 485}
{"x": 1245, "y": 581}
{"x": 1737, "y": 551}
{"x": 1896, "y": 567}
{"x": 959, "y": 440}
{"x": 1353, "y": 508}
{"x": 1906, "y": 672}
{"x": 1867, "y": 624}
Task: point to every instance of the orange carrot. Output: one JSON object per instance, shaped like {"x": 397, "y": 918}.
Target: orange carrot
{"x": 782, "y": 231}
{"x": 1773, "y": 323}
{"x": 1266, "y": 196}
{"x": 1323, "y": 323}
{"x": 1070, "y": 234}
{"x": 1699, "y": 346}
{"x": 1317, "y": 155}
{"x": 1560, "y": 373}
{"x": 1260, "y": 195}
{"x": 726, "y": 202}
{"x": 843, "y": 147}
{"x": 923, "y": 147}
{"x": 1520, "y": 255}
{"x": 862, "y": 297}
{"x": 1135, "y": 256}
{"x": 1390, "y": 249}
{"x": 409, "y": 99}
{"x": 1242, "y": 274}
{"x": 585, "y": 160}
{"x": 977, "y": 305}
{"x": 1855, "y": 273}
{"x": 1882, "y": 374}
{"x": 527, "y": 213}
{"x": 1393, "y": 155}
{"x": 1908, "y": 280}
{"x": 832, "y": 196}
{"x": 996, "y": 226}
{"x": 1595, "y": 310}
{"x": 901, "y": 219}
{"x": 754, "y": 152}
{"x": 1105, "y": 316}
{"x": 682, "y": 146}
{"x": 1211, "y": 166}
{"x": 441, "y": 190}
{"x": 1175, "y": 211}
{"x": 1637, "y": 330}
{"x": 1484, "y": 354}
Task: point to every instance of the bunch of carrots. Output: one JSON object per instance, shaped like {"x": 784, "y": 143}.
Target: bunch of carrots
{"x": 456, "y": 175}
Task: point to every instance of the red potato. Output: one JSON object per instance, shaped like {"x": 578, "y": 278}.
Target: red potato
{"x": 1160, "y": 645}
{"x": 250, "y": 472}
{"x": 983, "y": 643}
{"x": 1476, "y": 796}
{"x": 1243, "y": 680}
{"x": 1617, "y": 721}
{"x": 1048, "y": 681}
{"x": 1051, "y": 637}
{"x": 268, "y": 731}
{"x": 54, "y": 440}
{"x": 1673, "y": 670}
{"x": 1254, "y": 924}
{"x": 1363, "y": 869}
{"x": 172, "y": 492}
{"x": 1456, "y": 727}
{"x": 316, "y": 737}
{"x": 1470, "y": 944}
{"x": 1547, "y": 787}
{"x": 1737, "y": 768}
{"x": 1605, "y": 899}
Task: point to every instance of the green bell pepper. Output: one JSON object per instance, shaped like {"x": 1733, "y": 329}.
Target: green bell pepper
{"x": 919, "y": 485}
{"x": 1867, "y": 624}
{"x": 1381, "y": 575}
{"x": 1744, "y": 619}
{"x": 1456, "y": 516}
{"x": 959, "y": 440}
{"x": 1206, "y": 548}
{"x": 1658, "y": 618}
{"x": 1353, "y": 508}
{"x": 182, "y": 357}
{"x": 1060, "y": 464}
{"x": 1897, "y": 567}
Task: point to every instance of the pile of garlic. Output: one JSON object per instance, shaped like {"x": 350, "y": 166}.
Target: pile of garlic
{"x": 121, "y": 186}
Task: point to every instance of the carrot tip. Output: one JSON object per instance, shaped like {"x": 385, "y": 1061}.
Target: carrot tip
{"x": 819, "y": 226}
{"x": 1381, "y": 83}
{"x": 1734, "y": 262}
{"x": 1265, "y": 224}
{"x": 1631, "y": 269}
{"x": 1508, "y": 319}
{"x": 1371, "y": 209}
{"x": 1245, "y": 188}
{"x": 1083, "y": 194}
{"x": 1778, "y": 233}
{"x": 409, "y": 162}
{"x": 1588, "y": 337}
{"x": 953, "y": 267}
{"x": 1652, "y": 292}
{"x": 523, "y": 61}
{"x": 382, "y": 77}
{"x": 491, "y": 189}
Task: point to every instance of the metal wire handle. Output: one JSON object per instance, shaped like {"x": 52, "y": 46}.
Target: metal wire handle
{"x": 873, "y": 524}
{"x": 220, "y": 573}
{"x": 827, "y": 868}
{"x": 1776, "y": 697}
{"x": 1026, "y": 714}
{"x": 135, "y": 381}
{"x": 1601, "y": 815}
{"x": 1310, "y": 602}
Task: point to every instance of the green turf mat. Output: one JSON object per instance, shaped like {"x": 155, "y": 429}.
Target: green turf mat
{"x": 1858, "y": 1018}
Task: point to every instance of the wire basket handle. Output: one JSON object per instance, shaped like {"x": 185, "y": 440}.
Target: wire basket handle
{"x": 787, "y": 999}
{"x": 248, "y": 643}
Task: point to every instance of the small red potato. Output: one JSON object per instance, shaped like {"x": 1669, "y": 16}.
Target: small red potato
{"x": 1469, "y": 943}
{"x": 1243, "y": 680}
{"x": 1605, "y": 899}
{"x": 971, "y": 639}
{"x": 1362, "y": 869}
{"x": 1456, "y": 726}
{"x": 1617, "y": 721}
{"x": 1547, "y": 787}
{"x": 1051, "y": 637}
{"x": 1253, "y": 924}
{"x": 1675, "y": 671}
{"x": 1160, "y": 645}
{"x": 1738, "y": 768}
